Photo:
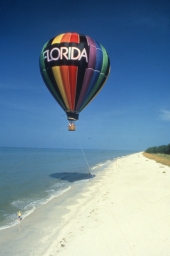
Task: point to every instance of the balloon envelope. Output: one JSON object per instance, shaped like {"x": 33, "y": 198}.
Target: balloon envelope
{"x": 74, "y": 68}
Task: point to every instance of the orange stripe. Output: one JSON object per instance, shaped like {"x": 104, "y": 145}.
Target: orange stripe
{"x": 59, "y": 82}
{"x": 66, "y": 38}
{"x": 65, "y": 79}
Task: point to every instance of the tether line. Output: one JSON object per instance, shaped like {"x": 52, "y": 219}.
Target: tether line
{"x": 84, "y": 156}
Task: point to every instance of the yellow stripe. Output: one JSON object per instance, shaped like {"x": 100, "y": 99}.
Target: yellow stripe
{"x": 57, "y": 39}
{"x": 58, "y": 79}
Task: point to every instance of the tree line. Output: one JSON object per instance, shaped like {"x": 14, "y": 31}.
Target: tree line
{"x": 164, "y": 149}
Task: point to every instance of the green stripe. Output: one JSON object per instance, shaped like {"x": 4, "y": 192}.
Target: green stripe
{"x": 105, "y": 60}
{"x": 42, "y": 63}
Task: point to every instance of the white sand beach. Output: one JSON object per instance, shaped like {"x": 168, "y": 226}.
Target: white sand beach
{"x": 123, "y": 211}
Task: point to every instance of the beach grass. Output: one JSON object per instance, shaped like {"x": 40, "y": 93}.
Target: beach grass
{"x": 159, "y": 158}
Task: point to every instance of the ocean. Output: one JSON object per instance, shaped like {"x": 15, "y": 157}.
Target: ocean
{"x": 32, "y": 177}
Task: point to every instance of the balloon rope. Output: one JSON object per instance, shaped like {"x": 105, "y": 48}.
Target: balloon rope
{"x": 84, "y": 157}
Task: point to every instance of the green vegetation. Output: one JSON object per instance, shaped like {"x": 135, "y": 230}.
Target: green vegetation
{"x": 159, "y": 158}
{"x": 160, "y": 154}
{"x": 164, "y": 149}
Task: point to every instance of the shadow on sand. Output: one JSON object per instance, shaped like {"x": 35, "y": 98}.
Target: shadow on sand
{"x": 72, "y": 176}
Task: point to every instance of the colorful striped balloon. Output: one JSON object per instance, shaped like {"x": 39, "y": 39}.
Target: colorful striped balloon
{"x": 74, "y": 68}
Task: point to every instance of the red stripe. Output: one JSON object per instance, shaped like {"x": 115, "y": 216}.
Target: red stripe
{"x": 73, "y": 70}
{"x": 74, "y": 38}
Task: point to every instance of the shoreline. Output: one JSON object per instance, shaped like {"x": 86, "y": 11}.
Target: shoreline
{"x": 30, "y": 206}
{"x": 124, "y": 210}
{"x": 31, "y": 211}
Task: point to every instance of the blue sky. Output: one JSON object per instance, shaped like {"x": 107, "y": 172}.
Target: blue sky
{"x": 133, "y": 109}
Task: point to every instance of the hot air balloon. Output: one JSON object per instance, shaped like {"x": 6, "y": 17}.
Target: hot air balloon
{"x": 74, "y": 68}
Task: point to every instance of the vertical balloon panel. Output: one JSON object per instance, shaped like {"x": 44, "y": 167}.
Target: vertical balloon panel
{"x": 98, "y": 80}
{"x": 49, "y": 80}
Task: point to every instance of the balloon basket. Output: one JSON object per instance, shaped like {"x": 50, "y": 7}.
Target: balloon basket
{"x": 71, "y": 126}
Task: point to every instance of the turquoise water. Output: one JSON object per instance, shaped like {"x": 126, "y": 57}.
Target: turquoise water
{"x": 31, "y": 177}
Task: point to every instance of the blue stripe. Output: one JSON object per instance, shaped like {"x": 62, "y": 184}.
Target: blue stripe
{"x": 99, "y": 57}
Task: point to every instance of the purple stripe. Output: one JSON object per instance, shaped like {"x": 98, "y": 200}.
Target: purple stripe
{"x": 90, "y": 41}
{"x": 92, "y": 52}
{"x": 92, "y": 57}
{"x": 86, "y": 83}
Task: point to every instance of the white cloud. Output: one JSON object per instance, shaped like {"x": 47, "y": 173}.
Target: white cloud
{"x": 165, "y": 115}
